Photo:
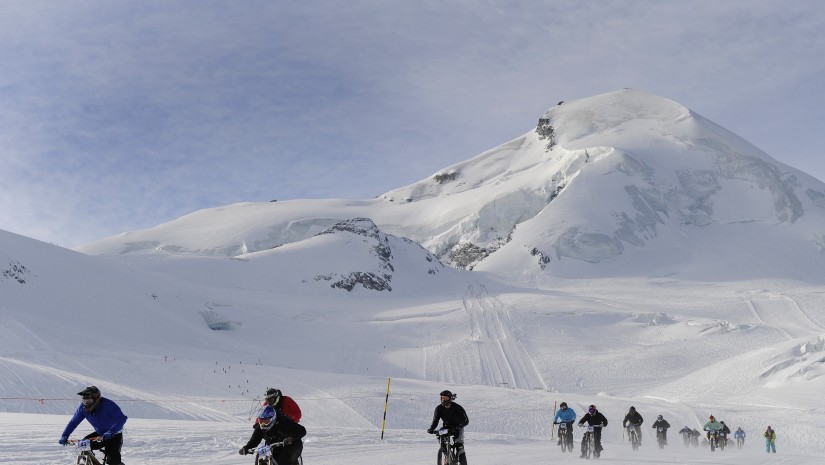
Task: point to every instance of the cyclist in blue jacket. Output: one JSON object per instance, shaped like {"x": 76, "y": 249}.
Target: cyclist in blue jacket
{"x": 105, "y": 417}
{"x": 565, "y": 414}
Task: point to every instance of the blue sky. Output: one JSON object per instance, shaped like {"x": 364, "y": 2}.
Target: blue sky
{"x": 118, "y": 115}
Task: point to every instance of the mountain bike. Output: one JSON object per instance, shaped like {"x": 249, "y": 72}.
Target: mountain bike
{"x": 740, "y": 441}
{"x": 661, "y": 436}
{"x": 85, "y": 456}
{"x": 566, "y": 436}
{"x": 448, "y": 450}
{"x": 694, "y": 439}
{"x": 589, "y": 442}
{"x": 716, "y": 441}
{"x": 633, "y": 434}
{"x": 263, "y": 454}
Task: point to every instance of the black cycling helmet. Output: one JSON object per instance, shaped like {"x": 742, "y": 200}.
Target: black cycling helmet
{"x": 273, "y": 396}
{"x": 90, "y": 395}
{"x": 632, "y": 408}
{"x": 563, "y": 405}
{"x": 449, "y": 397}
{"x": 91, "y": 391}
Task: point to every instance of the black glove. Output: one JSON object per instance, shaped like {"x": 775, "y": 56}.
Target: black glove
{"x": 431, "y": 431}
{"x": 288, "y": 441}
{"x": 242, "y": 451}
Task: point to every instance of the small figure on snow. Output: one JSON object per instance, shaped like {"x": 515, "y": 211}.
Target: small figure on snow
{"x": 770, "y": 440}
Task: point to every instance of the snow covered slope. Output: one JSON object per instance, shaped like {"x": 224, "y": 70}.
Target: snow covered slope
{"x": 634, "y": 255}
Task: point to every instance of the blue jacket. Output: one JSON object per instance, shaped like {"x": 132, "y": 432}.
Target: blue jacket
{"x": 106, "y": 418}
{"x": 568, "y": 416}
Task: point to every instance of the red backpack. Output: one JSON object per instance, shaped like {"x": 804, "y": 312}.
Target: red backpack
{"x": 289, "y": 407}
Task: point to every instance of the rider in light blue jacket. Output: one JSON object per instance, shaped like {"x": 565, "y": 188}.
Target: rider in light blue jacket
{"x": 566, "y": 415}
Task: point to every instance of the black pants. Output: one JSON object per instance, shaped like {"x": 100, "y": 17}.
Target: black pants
{"x": 111, "y": 448}
{"x": 287, "y": 455}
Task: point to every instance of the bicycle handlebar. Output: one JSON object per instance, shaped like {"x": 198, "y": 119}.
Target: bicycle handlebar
{"x": 273, "y": 445}
{"x": 94, "y": 439}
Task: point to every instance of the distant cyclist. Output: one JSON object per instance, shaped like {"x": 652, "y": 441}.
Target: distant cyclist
{"x": 661, "y": 423}
{"x": 739, "y": 434}
{"x": 635, "y": 419}
{"x": 725, "y": 432}
{"x": 713, "y": 425}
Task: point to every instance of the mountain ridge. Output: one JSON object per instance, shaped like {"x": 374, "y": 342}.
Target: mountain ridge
{"x": 626, "y": 172}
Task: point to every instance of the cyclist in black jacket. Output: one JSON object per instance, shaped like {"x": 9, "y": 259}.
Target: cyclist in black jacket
{"x": 275, "y": 426}
{"x": 454, "y": 418}
{"x": 635, "y": 419}
{"x": 593, "y": 417}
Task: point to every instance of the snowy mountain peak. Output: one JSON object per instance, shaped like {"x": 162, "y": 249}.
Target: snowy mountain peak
{"x": 633, "y": 182}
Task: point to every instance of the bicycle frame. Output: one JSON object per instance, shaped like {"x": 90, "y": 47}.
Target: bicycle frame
{"x": 566, "y": 436}
{"x": 263, "y": 454}
{"x": 589, "y": 442}
{"x": 633, "y": 433}
{"x": 447, "y": 448}
{"x": 660, "y": 436}
{"x": 716, "y": 440}
{"x": 85, "y": 455}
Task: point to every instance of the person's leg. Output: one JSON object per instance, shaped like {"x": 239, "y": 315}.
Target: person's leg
{"x": 598, "y": 438}
{"x": 111, "y": 448}
{"x": 459, "y": 446}
{"x": 288, "y": 455}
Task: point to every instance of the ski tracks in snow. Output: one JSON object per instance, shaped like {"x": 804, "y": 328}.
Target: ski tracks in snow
{"x": 504, "y": 360}
{"x": 784, "y": 314}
